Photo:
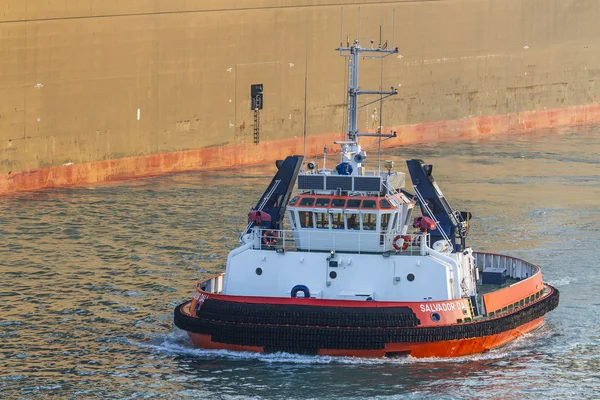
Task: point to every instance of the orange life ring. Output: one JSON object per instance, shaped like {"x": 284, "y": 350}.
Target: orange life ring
{"x": 269, "y": 238}
{"x": 406, "y": 242}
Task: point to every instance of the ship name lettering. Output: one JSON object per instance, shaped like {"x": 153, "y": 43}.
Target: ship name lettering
{"x": 442, "y": 307}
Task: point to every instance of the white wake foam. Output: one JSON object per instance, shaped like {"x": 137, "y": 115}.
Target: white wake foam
{"x": 177, "y": 342}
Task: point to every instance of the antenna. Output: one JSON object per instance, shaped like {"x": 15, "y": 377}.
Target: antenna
{"x": 305, "y": 96}
{"x": 358, "y": 24}
{"x": 342, "y": 28}
{"x": 380, "y": 130}
{"x": 393, "y": 28}
{"x": 367, "y": 34}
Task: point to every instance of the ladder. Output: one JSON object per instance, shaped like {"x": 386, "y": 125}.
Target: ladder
{"x": 256, "y": 126}
{"x": 350, "y": 85}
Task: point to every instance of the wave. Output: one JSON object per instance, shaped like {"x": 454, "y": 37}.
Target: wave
{"x": 177, "y": 343}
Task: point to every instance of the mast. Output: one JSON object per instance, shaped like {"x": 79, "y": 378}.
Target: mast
{"x": 352, "y": 153}
{"x": 353, "y": 53}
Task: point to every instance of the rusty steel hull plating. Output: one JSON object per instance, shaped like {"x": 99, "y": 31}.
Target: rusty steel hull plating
{"x": 102, "y": 91}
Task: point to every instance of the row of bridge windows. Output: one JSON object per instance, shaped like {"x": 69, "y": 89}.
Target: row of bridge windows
{"x": 340, "y": 203}
{"x": 347, "y": 221}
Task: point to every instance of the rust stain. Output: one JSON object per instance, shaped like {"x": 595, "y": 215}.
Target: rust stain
{"x": 234, "y": 155}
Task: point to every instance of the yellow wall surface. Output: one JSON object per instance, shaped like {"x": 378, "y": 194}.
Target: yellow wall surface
{"x": 74, "y": 73}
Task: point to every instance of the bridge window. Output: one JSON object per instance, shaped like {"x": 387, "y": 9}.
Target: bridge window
{"x": 338, "y": 202}
{"x": 307, "y": 201}
{"x": 322, "y": 220}
{"x": 294, "y": 200}
{"x": 407, "y": 220}
{"x": 394, "y": 222}
{"x": 353, "y": 203}
{"x": 293, "y": 220}
{"x": 352, "y": 221}
{"x": 385, "y": 204}
{"x": 306, "y": 219}
{"x": 322, "y": 202}
{"x": 337, "y": 220}
{"x": 385, "y": 222}
{"x": 369, "y": 204}
{"x": 369, "y": 221}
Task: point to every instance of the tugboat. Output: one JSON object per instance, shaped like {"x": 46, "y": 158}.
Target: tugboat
{"x": 355, "y": 274}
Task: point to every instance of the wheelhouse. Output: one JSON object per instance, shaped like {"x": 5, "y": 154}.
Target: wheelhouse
{"x": 326, "y": 222}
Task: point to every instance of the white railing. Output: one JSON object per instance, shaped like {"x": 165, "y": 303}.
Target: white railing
{"x": 261, "y": 206}
{"x": 515, "y": 268}
{"x": 391, "y": 192}
{"x": 437, "y": 223}
{"x": 212, "y": 285}
{"x": 339, "y": 240}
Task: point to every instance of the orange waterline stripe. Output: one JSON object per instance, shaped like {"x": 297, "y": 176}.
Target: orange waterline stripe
{"x": 242, "y": 154}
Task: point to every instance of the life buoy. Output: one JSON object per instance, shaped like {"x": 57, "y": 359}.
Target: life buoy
{"x": 300, "y": 288}
{"x": 269, "y": 238}
{"x": 406, "y": 242}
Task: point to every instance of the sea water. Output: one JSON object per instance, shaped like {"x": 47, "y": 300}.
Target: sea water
{"x": 90, "y": 276}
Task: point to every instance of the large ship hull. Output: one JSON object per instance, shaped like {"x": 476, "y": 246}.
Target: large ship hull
{"x": 98, "y": 91}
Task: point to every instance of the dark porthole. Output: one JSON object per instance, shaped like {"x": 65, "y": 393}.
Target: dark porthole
{"x": 258, "y": 271}
{"x": 435, "y": 317}
{"x": 410, "y": 277}
{"x": 333, "y": 274}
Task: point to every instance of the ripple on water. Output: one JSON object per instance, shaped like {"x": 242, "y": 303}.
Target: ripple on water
{"x": 90, "y": 277}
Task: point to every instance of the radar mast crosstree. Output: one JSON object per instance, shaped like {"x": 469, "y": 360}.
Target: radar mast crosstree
{"x": 351, "y": 147}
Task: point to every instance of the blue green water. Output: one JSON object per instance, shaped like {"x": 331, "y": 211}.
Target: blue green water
{"x": 90, "y": 277}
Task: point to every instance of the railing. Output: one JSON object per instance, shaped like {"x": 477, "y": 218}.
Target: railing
{"x": 391, "y": 191}
{"x": 261, "y": 206}
{"x": 213, "y": 285}
{"x": 426, "y": 207}
{"x": 529, "y": 287}
{"x": 515, "y": 268}
{"x": 337, "y": 240}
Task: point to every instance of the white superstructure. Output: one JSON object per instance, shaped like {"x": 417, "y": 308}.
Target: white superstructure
{"x": 349, "y": 232}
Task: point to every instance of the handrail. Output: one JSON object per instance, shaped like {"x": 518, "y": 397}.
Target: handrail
{"x": 260, "y": 207}
{"x": 332, "y": 239}
{"x": 437, "y": 223}
{"x": 393, "y": 192}
{"x": 529, "y": 275}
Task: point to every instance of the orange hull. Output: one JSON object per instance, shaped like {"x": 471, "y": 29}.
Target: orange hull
{"x": 450, "y": 348}
{"x": 357, "y": 329}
